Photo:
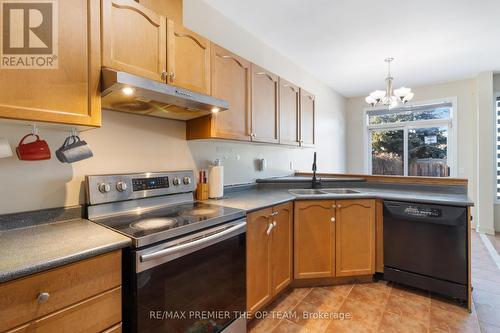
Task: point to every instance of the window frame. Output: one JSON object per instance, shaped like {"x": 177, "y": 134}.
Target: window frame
{"x": 451, "y": 123}
{"x": 496, "y": 99}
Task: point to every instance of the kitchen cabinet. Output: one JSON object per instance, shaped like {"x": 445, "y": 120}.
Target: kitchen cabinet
{"x": 79, "y": 297}
{"x": 134, "y": 39}
{"x": 231, "y": 81}
{"x": 265, "y": 106}
{"x": 307, "y": 119}
{"x": 269, "y": 254}
{"x": 188, "y": 59}
{"x": 258, "y": 265}
{"x": 69, "y": 92}
{"x": 355, "y": 237}
{"x": 314, "y": 239}
{"x": 289, "y": 113}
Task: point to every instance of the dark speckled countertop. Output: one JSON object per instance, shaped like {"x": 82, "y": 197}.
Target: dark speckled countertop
{"x": 266, "y": 194}
{"x": 35, "y": 245}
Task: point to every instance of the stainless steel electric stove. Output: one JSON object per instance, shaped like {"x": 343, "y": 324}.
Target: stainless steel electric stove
{"x": 186, "y": 269}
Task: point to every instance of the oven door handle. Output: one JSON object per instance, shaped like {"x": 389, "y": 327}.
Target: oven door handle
{"x": 197, "y": 243}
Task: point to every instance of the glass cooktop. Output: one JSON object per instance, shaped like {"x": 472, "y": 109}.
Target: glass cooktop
{"x": 148, "y": 226}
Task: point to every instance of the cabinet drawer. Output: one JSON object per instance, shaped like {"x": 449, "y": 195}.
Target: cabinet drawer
{"x": 90, "y": 316}
{"x": 65, "y": 286}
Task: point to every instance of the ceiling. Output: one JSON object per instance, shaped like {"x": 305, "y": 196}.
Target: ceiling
{"x": 344, "y": 42}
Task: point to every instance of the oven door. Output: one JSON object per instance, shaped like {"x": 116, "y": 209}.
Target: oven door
{"x": 193, "y": 284}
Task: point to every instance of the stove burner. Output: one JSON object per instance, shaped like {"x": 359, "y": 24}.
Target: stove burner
{"x": 153, "y": 223}
{"x": 199, "y": 212}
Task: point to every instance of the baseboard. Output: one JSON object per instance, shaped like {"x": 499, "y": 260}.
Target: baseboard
{"x": 487, "y": 231}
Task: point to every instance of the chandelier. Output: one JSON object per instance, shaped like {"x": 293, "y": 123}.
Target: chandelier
{"x": 390, "y": 97}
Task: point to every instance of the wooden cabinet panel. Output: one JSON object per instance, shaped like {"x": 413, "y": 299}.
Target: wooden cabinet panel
{"x": 314, "y": 239}
{"x": 66, "y": 285}
{"x": 258, "y": 266}
{"x": 282, "y": 247}
{"x": 289, "y": 113}
{"x": 67, "y": 94}
{"x": 188, "y": 59}
{"x": 90, "y": 316}
{"x": 265, "y": 107}
{"x": 230, "y": 76}
{"x": 134, "y": 39}
{"x": 355, "y": 237}
{"x": 307, "y": 119}
{"x": 114, "y": 329}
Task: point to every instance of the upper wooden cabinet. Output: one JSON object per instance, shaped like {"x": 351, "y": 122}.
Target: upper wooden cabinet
{"x": 265, "y": 106}
{"x": 307, "y": 119}
{"x": 134, "y": 39}
{"x": 355, "y": 237}
{"x": 230, "y": 80}
{"x": 188, "y": 59}
{"x": 289, "y": 113}
{"x": 66, "y": 93}
{"x": 314, "y": 239}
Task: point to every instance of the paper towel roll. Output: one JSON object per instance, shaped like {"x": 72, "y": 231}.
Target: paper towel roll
{"x": 216, "y": 182}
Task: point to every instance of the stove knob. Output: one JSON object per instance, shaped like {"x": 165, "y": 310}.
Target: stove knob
{"x": 104, "y": 187}
{"x": 176, "y": 181}
{"x": 186, "y": 180}
{"x": 121, "y": 186}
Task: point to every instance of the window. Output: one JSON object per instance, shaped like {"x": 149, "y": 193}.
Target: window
{"x": 498, "y": 146}
{"x": 412, "y": 140}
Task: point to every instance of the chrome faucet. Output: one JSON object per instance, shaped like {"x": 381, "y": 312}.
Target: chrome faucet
{"x": 316, "y": 183}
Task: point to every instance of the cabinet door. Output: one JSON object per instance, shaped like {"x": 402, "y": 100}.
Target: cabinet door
{"x": 281, "y": 247}
{"x": 188, "y": 59}
{"x": 265, "y": 112}
{"x": 230, "y": 79}
{"x": 258, "y": 265}
{"x": 66, "y": 93}
{"x": 289, "y": 113}
{"x": 134, "y": 39}
{"x": 314, "y": 239}
{"x": 355, "y": 237}
{"x": 307, "y": 127}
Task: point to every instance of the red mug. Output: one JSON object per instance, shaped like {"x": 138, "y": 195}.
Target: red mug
{"x": 33, "y": 151}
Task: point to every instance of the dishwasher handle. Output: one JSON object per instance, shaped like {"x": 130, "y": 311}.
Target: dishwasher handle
{"x": 426, "y": 213}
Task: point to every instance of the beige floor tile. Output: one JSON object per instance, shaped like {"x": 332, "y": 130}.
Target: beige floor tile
{"x": 288, "y": 327}
{"x": 408, "y": 308}
{"x": 341, "y": 290}
{"x": 371, "y": 296}
{"x": 453, "y": 322}
{"x": 311, "y": 316}
{"x": 324, "y": 299}
{"x": 412, "y": 294}
{"x": 394, "y": 323}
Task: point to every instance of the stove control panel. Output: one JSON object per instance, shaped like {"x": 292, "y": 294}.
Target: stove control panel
{"x": 142, "y": 184}
{"x": 123, "y": 187}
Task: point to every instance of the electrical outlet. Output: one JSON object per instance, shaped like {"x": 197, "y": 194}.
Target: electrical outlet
{"x": 291, "y": 166}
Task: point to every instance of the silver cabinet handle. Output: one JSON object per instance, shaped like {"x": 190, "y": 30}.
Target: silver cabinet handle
{"x": 164, "y": 75}
{"x": 334, "y": 206}
{"x": 332, "y": 219}
{"x": 186, "y": 246}
{"x": 42, "y": 297}
{"x": 339, "y": 206}
{"x": 269, "y": 229}
{"x": 274, "y": 214}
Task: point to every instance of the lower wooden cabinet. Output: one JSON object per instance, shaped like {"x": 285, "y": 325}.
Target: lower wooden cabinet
{"x": 334, "y": 238}
{"x": 269, "y": 254}
{"x": 355, "y": 237}
{"x": 80, "y": 297}
{"x": 314, "y": 239}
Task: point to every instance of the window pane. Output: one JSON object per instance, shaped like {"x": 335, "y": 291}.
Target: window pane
{"x": 387, "y": 152}
{"x": 408, "y": 114}
{"x": 428, "y": 152}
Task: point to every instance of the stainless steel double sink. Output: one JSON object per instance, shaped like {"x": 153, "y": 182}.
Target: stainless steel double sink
{"x": 313, "y": 191}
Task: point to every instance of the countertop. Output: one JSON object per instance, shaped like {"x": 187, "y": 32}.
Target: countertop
{"x": 32, "y": 249}
{"x": 257, "y": 198}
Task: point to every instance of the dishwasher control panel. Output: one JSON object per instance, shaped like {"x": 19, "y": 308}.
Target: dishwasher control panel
{"x": 422, "y": 211}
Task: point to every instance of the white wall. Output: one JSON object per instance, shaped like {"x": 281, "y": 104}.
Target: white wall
{"x": 128, "y": 143}
{"x": 496, "y": 90}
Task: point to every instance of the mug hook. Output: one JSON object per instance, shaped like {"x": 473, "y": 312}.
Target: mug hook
{"x": 74, "y": 132}
{"x": 34, "y": 129}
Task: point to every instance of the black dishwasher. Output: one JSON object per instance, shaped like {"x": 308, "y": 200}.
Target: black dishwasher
{"x": 425, "y": 246}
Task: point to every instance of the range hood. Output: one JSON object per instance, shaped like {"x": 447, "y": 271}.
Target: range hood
{"x": 131, "y": 93}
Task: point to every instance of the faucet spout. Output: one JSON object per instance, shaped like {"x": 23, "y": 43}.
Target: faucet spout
{"x": 315, "y": 182}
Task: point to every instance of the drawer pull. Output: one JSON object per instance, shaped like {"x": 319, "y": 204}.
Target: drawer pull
{"x": 332, "y": 219}
{"x": 42, "y": 297}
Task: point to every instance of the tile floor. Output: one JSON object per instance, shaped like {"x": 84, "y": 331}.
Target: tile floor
{"x": 383, "y": 307}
